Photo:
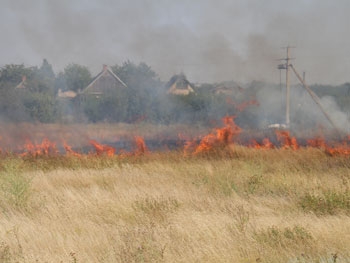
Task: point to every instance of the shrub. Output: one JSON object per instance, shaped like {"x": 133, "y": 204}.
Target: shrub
{"x": 285, "y": 237}
{"x": 330, "y": 202}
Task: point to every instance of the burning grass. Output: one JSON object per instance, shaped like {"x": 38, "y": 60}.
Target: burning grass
{"x": 220, "y": 140}
{"x": 218, "y": 199}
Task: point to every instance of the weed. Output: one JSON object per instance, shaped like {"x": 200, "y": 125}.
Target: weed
{"x": 156, "y": 208}
{"x": 14, "y": 186}
{"x": 284, "y": 238}
{"x": 140, "y": 244}
{"x": 241, "y": 218}
{"x": 330, "y": 202}
{"x": 5, "y": 254}
{"x": 254, "y": 182}
{"x": 73, "y": 257}
{"x": 225, "y": 186}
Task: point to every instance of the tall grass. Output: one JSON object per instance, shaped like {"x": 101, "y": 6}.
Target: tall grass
{"x": 238, "y": 205}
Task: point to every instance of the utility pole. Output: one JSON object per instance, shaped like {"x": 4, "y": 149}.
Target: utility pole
{"x": 316, "y": 100}
{"x": 286, "y": 67}
{"x": 288, "y": 89}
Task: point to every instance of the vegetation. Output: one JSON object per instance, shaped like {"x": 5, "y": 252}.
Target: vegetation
{"x": 241, "y": 205}
{"x": 145, "y": 99}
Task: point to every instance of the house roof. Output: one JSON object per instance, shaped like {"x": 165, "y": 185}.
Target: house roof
{"x": 67, "y": 94}
{"x": 105, "y": 70}
{"x": 23, "y": 83}
{"x": 178, "y": 84}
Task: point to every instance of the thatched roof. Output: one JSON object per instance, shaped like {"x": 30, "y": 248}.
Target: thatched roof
{"x": 67, "y": 94}
{"x": 178, "y": 84}
{"x": 23, "y": 83}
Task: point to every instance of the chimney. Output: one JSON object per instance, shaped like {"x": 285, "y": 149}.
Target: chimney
{"x": 105, "y": 67}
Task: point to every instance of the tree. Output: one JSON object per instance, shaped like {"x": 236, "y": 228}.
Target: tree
{"x": 76, "y": 77}
{"x": 46, "y": 74}
{"x": 143, "y": 87}
{"x": 12, "y": 74}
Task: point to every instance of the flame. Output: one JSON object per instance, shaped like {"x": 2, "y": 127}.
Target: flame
{"x": 69, "y": 150}
{"x": 222, "y": 137}
{"x": 266, "y": 144}
{"x": 141, "y": 147}
{"x": 218, "y": 139}
{"x": 337, "y": 149}
{"x": 318, "y": 142}
{"x": 243, "y": 105}
{"x": 287, "y": 141}
{"x": 102, "y": 149}
{"x": 44, "y": 148}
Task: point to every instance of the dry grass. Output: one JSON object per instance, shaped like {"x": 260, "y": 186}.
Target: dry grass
{"x": 79, "y": 134}
{"x": 242, "y": 206}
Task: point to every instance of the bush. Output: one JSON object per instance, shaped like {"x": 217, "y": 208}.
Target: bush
{"x": 330, "y": 202}
{"x": 285, "y": 237}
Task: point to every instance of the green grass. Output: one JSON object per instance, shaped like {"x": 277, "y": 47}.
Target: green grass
{"x": 15, "y": 186}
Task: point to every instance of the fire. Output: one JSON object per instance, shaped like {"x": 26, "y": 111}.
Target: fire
{"x": 218, "y": 139}
{"x": 69, "y": 150}
{"x": 243, "y": 105}
{"x": 102, "y": 149}
{"x": 266, "y": 144}
{"x": 336, "y": 149}
{"x": 141, "y": 147}
{"x": 318, "y": 142}
{"x": 44, "y": 148}
{"x": 287, "y": 141}
{"x": 222, "y": 137}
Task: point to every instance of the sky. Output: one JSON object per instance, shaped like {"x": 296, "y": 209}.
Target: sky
{"x": 208, "y": 40}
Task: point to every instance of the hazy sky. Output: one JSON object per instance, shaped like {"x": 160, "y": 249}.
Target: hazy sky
{"x": 208, "y": 40}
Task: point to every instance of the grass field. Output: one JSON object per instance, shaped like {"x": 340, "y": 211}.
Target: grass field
{"x": 240, "y": 205}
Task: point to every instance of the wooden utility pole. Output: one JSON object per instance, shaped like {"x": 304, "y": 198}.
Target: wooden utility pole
{"x": 288, "y": 89}
{"x": 316, "y": 100}
{"x": 286, "y": 67}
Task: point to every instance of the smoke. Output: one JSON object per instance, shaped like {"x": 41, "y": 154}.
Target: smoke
{"x": 305, "y": 114}
{"x": 207, "y": 40}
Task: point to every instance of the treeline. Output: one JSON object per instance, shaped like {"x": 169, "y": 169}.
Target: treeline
{"x": 35, "y": 99}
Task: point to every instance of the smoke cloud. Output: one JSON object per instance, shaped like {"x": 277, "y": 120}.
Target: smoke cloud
{"x": 210, "y": 41}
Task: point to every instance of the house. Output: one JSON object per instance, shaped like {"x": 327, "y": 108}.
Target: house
{"x": 104, "y": 81}
{"x": 228, "y": 88}
{"x": 179, "y": 85}
{"x": 69, "y": 94}
{"x": 23, "y": 83}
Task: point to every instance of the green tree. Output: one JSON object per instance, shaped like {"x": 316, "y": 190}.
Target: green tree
{"x": 76, "y": 77}
{"x": 111, "y": 106}
{"x": 143, "y": 89}
{"x": 137, "y": 76}
{"x": 12, "y": 74}
{"x": 40, "y": 107}
{"x": 46, "y": 74}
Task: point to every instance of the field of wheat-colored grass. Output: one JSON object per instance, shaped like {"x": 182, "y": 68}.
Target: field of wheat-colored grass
{"x": 243, "y": 205}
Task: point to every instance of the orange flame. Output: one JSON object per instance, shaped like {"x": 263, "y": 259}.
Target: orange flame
{"x": 266, "y": 144}
{"x": 141, "y": 147}
{"x": 44, "y": 148}
{"x": 287, "y": 141}
{"x": 69, "y": 150}
{"x": 102, "y": 149}
{"x": 318, "y": 142}
{"x": 243, "y": 105}
{"x": 222, "y": 137}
